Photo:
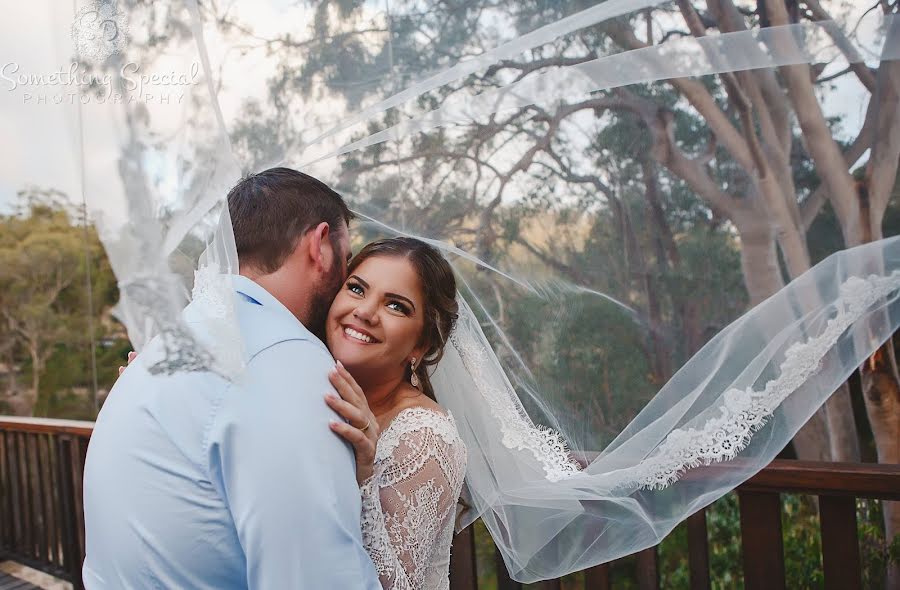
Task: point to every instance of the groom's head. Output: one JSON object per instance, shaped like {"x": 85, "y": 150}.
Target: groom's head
{"x": 292, "y": 237}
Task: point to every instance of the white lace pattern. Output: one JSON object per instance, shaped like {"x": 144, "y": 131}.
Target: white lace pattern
{"x": 408, "y": 506}
{"x": 519, "y": 432}
{"x": 746, "y": 411}
{"x": 215, "y": 294}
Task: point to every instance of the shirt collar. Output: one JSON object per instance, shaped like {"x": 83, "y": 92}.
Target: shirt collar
{"x": 255, "y": 293}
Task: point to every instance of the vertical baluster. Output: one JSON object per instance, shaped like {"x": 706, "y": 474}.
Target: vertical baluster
{"x": 597, "y": 578}
{"x": 14, "y": 502}
{"x": 504, "y": 582}
{"x": 55, "y": 556}
{"x": 81, "y": 454}
{"x": 648, "y": 569}
{"x": 763, "y": 546}
{"x": 66, "y": 506}
{"x": 34, "y": 495}
{"x": 27, "y": 546}
{"x": 840, "y": 544}
{"x": 35, "y": 492}
{"x": 55, "y": 500}
{"x": 463, "y": 574}
{"x": 698, "y": 551}
{"x": 41, "y": 466}
{"x": 5, "y": 510}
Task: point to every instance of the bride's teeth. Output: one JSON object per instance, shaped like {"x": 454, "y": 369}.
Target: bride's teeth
{"x": 357, "y": 335}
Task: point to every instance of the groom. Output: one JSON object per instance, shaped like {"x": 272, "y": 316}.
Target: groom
{"x": 193, "y": 481}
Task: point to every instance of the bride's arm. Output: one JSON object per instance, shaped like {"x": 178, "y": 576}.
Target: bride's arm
{"x": 407, "y": 502}
{"x": 406, "y": 505}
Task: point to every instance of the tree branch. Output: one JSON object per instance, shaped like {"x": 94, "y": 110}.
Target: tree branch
{"x": 700, "y": 99}
{"x": 857, "y": 65}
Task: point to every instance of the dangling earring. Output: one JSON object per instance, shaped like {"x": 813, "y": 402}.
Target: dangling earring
{"x": 413, "y": 378}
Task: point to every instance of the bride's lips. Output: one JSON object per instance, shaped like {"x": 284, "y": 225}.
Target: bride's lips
{"x": 345, "y": 327}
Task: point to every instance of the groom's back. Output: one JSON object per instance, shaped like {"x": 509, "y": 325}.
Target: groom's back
{"x": 179, "y": 470}
{"x": 150, "y": 508}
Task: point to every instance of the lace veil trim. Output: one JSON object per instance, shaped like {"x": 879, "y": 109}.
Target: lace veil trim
{"x": 746, "y": 411}
{"x": 546, "y": 445}
{"x": 742, "y": 412}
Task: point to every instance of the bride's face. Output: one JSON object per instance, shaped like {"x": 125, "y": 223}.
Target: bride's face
{"x": 376, "y": 321}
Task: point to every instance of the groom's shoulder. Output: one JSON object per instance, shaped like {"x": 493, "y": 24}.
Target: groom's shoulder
{"x": 263, "y": 327}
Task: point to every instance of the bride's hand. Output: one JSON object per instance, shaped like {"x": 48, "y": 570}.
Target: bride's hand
{"x": 361, "y": 428}
{"x": 131, "y": 356}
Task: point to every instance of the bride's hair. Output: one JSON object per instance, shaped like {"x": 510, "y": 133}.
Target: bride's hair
{"x": 439, "y": 286}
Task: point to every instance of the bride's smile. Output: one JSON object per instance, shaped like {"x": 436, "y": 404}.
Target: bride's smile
{"x": 375, "y": 324}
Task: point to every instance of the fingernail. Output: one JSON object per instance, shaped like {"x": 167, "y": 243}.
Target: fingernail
{"x": 330, "y": 396}
{"x": 340, "y": 364}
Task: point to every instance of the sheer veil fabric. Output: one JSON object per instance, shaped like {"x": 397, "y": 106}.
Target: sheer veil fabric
{"x": 576, "y": 457}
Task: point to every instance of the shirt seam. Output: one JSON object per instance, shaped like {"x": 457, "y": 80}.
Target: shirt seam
{"x": 217, "y": 405}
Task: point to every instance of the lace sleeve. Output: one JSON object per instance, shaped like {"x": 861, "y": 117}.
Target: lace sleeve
{"x": 411, "y": 497}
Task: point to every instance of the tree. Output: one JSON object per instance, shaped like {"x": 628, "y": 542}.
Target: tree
{"x": 43, "y": 264}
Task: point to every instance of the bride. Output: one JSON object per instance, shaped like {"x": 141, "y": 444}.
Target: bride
{"x": 387, "y": 325}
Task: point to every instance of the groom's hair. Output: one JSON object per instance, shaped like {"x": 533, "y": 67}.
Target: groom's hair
{"x": 271, "y": 210}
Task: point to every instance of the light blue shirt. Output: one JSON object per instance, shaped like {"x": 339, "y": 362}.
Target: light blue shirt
{"x": 193, "y": 481}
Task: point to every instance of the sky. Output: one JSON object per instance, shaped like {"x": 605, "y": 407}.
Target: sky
{"x": 41, "y": 142}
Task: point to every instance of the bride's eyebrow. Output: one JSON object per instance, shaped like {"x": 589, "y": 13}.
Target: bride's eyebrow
{"x": 359, "y": 280}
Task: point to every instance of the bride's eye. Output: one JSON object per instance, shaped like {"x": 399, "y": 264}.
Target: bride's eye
{"x": 355, "y": 288}
{"x": 399, "y": 307}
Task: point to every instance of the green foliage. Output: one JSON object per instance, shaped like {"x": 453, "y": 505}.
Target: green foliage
{"x": 46, "y": 257}
{"x": 802, "y": 546}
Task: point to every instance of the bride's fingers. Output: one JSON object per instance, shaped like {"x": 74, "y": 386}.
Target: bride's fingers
{"x": 342, "y": 370}
{"x": 347, "y": 410}
{"x": 131, "y": 356}
{"x": 354, "y": 436}
{"x": 121, "y": 369}
{"x": 345, "y": 389}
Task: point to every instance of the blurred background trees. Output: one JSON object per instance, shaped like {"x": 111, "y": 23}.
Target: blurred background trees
{"x": 47, "y": 318}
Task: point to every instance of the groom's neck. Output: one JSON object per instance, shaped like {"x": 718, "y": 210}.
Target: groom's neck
{"x": 288, "y": 292}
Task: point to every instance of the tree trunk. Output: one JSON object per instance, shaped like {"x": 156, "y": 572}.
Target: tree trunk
{"x": 32, "y": 397}
{"x": 880, "y": 386}
{"x": 882, "y": 394}
{"x": 762, "y": 276}
{"x": 818, "y": 137}
{"x": 844, "y": 437}
{"x": 759, "y": 260}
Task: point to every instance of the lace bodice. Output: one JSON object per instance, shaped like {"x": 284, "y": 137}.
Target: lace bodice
{"x": 409, "y": 505}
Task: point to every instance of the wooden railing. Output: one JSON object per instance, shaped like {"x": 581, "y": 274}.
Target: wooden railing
{"x": 41, "y": 516}
{"x": 42, "y": 526}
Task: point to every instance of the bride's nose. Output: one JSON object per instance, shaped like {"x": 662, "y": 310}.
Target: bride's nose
{"x": 366, "y": 311}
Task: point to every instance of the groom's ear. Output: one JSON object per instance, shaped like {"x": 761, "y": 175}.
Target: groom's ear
{"x": 319, "y": 245}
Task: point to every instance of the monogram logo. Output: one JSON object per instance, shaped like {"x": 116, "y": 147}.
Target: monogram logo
{"x": 100, "y": 30}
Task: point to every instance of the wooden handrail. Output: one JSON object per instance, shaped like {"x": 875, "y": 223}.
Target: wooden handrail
{"x": 863, "y": 480}
{"x": 46, "y": 425}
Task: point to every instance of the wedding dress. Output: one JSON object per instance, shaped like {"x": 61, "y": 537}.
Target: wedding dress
{"x": 409, "y": 504}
